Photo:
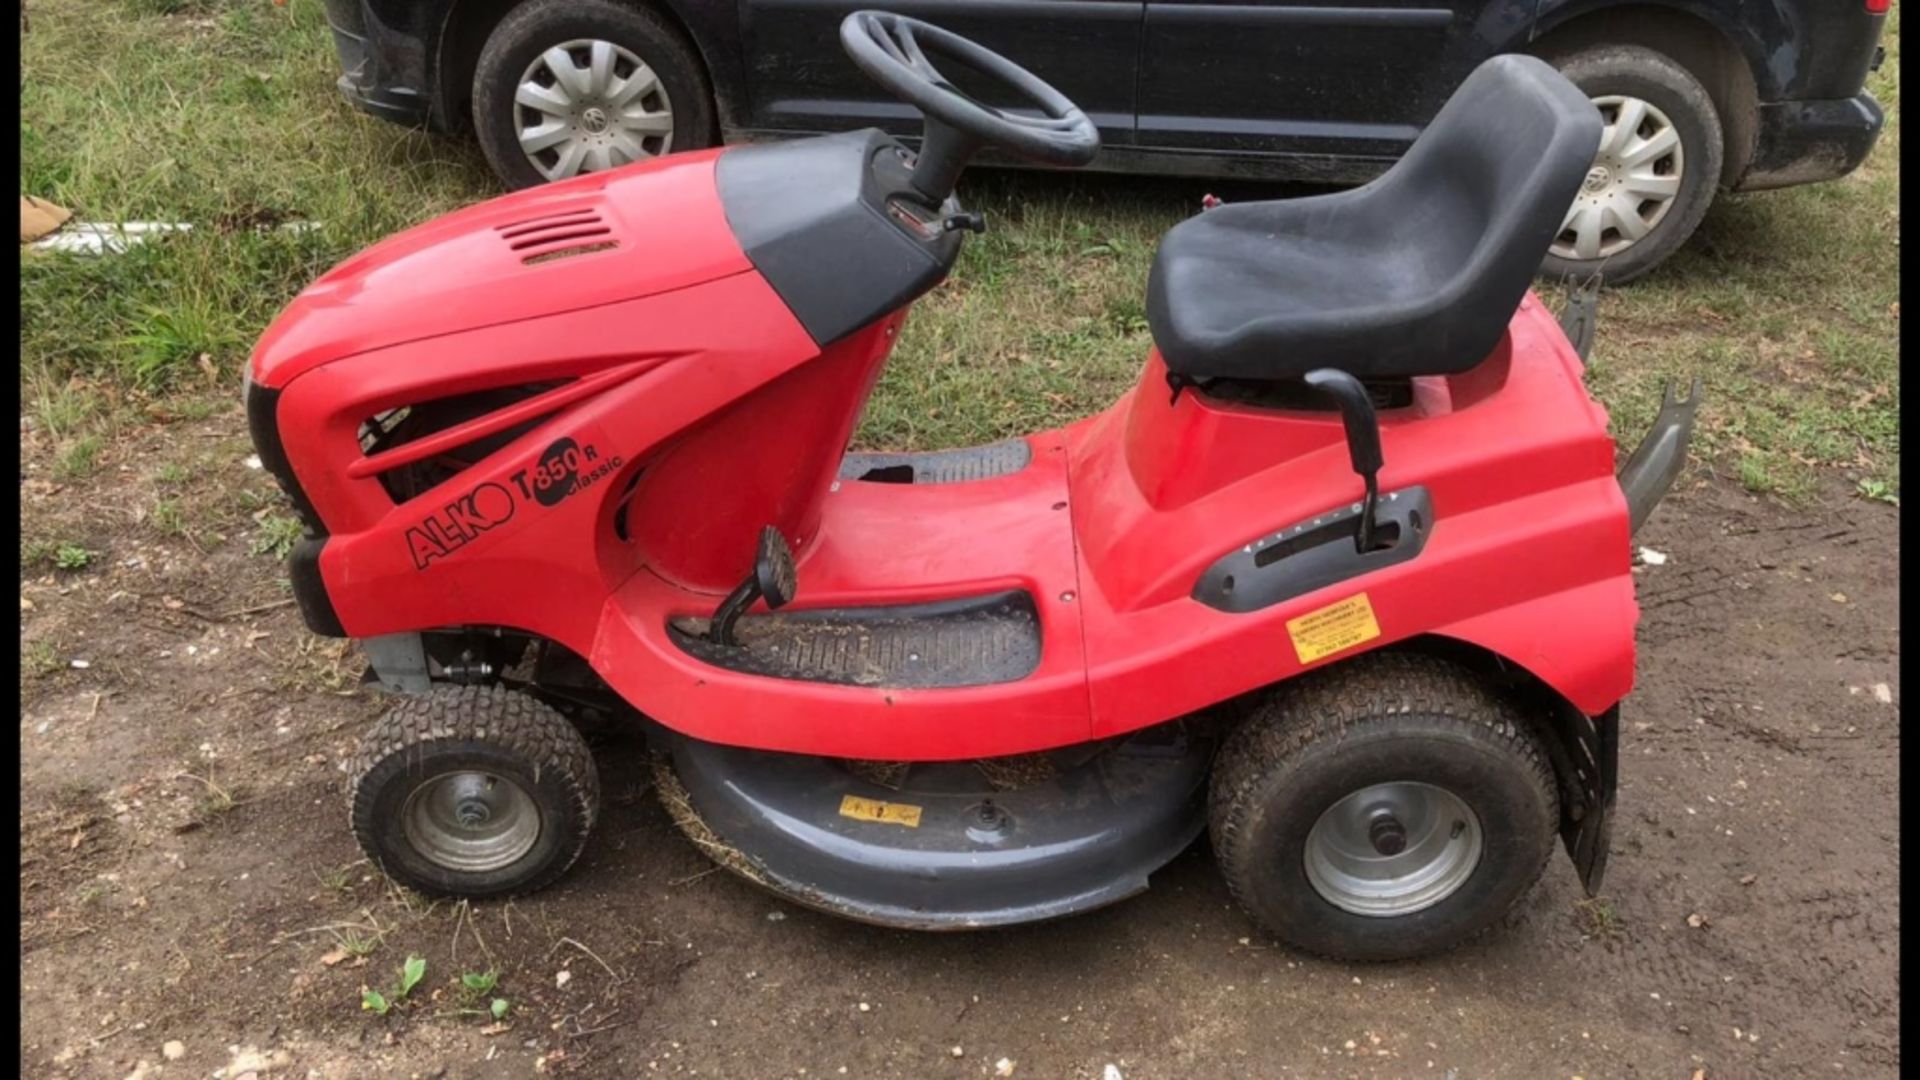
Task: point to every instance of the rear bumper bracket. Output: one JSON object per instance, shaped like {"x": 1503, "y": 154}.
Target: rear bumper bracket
{"x": 1657, "y": 460}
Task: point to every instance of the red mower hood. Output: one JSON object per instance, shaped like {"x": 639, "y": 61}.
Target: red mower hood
{"x": 596, "y": 239}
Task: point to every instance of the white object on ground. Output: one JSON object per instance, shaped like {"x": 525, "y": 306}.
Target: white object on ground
{"x": 99, "y": 237}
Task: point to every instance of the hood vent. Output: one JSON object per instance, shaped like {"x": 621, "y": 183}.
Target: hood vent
{"x": 558, "y": 235}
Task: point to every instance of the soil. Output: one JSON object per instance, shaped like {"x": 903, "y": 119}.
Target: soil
{"x": 187, "y": 874}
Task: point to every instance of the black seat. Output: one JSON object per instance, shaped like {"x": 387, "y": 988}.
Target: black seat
{"x": 1416, "y": 273}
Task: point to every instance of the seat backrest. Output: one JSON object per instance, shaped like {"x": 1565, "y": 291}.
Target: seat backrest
{"x": 1494, "y": 174}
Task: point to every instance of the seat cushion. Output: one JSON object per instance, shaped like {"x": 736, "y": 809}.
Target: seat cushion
{"x": 1415, "y": 273}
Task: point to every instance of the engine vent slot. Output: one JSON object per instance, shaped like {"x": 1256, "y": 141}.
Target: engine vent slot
{"x": 397, "y": 427}
{"x": 558, "y": 235}
{"x": 569, "y": 252}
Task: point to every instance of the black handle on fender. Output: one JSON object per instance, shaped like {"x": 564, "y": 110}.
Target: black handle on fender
{"x": 1356, "y": 411}
{"x": 1363, "y": 437}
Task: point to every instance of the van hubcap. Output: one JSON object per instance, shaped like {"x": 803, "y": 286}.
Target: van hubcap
{"x": 588, "y": 105}
{"x": 1633, "y": 183}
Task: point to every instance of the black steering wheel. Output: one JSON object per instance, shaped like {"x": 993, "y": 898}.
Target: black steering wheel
{"x": 893, "y": 50}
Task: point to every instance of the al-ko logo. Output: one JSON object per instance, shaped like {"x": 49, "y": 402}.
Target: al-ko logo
{"x": 564, "y": 469}
{"x": 459, "y": 522}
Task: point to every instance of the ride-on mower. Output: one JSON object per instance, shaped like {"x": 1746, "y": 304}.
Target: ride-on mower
{"x": 1344, "y": 579}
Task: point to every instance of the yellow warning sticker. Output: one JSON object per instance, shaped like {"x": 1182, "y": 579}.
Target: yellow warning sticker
{"x": 1330, "y": 629}
{"x": 889, "y": 813}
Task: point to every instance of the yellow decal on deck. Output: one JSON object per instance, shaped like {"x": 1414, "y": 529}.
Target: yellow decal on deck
{"x": 1330, "y": 629}
{"x": 890, "y": 813}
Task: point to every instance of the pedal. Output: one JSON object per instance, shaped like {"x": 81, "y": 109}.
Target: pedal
{"x": 773, "y": 579}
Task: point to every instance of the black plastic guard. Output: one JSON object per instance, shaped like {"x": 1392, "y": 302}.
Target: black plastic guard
{"x": 1581, "y": 315}
{"x": 1657, "y": 461}
{"x": 1315, "y": 553}
{"x": 1587, "y": 829}
{"x": 946, "y": 845}
{"x": 811, "y": 215}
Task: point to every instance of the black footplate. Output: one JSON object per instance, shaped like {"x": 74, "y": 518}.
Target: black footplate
{"x": 939, "y": 466}
{"x": 970, "y": 642}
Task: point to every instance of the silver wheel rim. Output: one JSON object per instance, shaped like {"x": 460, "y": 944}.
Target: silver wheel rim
{"x": 473, "y": 822}
{"x": 1632, "y": 185}
{"x": 586, "y": 105}
{"x": 1393, "y": 849}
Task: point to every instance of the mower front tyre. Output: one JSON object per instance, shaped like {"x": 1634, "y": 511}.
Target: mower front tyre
{"x": 1389, "y": 807}
{"x": 473, "y": 791}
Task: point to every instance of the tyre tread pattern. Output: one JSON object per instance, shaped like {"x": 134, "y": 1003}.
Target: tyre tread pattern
{"x": 491, "y": 714}
{"x": 1328, "y": 705}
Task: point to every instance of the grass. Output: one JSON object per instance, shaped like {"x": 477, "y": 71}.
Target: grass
{"x": 1597, "y": 919}
{"x": 38, "y": 659}
{"x": 71, "y": 557}
{"x": 39, "y": 554}
{"x": 222, "y": 114}
{"x": 218, "y": 800}
{"x": 79, "y": 459}
{"x": 278, "y": 533}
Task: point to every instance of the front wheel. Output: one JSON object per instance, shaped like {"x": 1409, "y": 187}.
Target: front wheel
{"x": 1656, "y": 171}
{"x": 473, "y": 791}
{"x": 1387, "y": 808}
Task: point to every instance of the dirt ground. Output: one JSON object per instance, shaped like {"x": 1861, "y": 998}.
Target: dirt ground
{"x": 187, "y": 875}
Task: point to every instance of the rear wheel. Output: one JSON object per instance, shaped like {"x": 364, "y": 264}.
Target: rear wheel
{"x": 1390, "y": 807}
{"x": 473, "y": 791}
{"x": 565, "y": 87}
{"x": 1656, "y": 171}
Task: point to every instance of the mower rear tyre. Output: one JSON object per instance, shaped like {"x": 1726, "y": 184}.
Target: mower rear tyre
{"x": 473, "y": 791}
{"x": 1390, "y": 807}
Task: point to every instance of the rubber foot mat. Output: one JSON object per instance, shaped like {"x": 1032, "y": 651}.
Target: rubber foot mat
{"x": 972, "y": 642}
{"x": 939, "y": 466}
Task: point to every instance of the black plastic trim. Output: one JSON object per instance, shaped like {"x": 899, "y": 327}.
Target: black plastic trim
{"x": 310, "y": 589}
{"x": 1254, "y": 17}
{"x": 1802, "y": 142}
{"x": 813, "y": 217}
{"x": 1657, "y": 461}
{"x": 1314, "y": 553}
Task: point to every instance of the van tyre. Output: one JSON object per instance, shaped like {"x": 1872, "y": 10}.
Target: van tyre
{"x": 473, "y": 791}
{"x": 582, "y": 102}
{"x": 1388, "y": 807}
{"x": 1664, "y": 96}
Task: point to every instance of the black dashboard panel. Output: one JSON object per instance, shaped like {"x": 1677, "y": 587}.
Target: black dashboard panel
{"x": 835, "y": 228}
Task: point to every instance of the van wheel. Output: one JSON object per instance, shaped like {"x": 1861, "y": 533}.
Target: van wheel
{"x": 1390, "y": 807}
{"x": 565, "y": 87}
{"x": 1657, "y": 168}
{"x": 473, "y": 791}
